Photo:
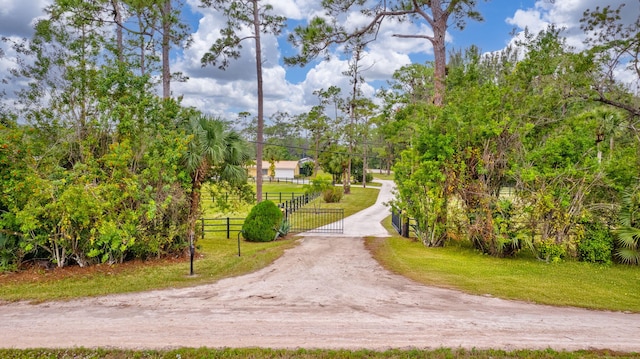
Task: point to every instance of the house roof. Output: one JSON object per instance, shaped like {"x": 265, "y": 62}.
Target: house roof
{"x": 284, "y": 165}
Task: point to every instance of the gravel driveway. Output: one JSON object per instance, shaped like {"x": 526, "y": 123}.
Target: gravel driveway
{"x": 327, "y": 292}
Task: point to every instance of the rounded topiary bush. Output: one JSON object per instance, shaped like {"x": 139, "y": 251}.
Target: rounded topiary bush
{"x": 262, "y": 223}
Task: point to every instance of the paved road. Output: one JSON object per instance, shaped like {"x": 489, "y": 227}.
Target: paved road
{"x": 327, "y": 292}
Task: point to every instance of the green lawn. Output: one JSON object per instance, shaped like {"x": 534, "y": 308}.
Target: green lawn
{"x": 282, "y": 187}
{"x": 568, "y": 283}
{"x": 382, "y": 176}
{"x": 275, "y": 191}
{"x": 359, "y": 199}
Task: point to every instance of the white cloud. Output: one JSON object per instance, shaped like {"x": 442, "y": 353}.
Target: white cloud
{"x": 566, "y": 15}
{"x": 227, "y": 92}
{"x": 18, "y": 17}
{"x": 530, "y": 19}
{"x": 16, "y": 22}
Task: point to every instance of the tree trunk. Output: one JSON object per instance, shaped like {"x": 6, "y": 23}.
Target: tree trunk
{"x": 117, "y": 18}
{"x": 194, "y": 210}
{"x": 364, "y": 167}
{"x": 143, "y": 58}
{"x": 316, "y": 163}
{"x": 259, "y": 144}
{"x": 166, "y": 46}
{"x": 440, "y": 18}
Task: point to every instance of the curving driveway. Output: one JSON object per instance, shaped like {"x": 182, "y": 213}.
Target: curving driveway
{"x": 325, "y": 293}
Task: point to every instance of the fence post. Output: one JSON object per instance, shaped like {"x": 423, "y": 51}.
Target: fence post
{"x": 202, "y": 220}
{"x": 405, "y": 226}
{"x": 228, "y": 228}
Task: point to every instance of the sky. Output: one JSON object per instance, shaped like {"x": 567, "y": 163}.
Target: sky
{"x": 290, "y": 89}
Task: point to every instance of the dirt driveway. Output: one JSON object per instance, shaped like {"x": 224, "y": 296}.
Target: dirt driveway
{"x": 326, "y": 293}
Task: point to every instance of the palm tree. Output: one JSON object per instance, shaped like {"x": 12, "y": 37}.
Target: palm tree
{"x": 628, "y": 233}
{"x": 213, "y": 153}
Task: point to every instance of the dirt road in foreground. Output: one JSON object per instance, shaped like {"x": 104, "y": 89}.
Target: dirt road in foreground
{"x": 326, "y": 293}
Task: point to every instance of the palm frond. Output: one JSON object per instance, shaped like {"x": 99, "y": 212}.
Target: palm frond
{"x": 628, "y": 256}
{"x": 627, "y": 237}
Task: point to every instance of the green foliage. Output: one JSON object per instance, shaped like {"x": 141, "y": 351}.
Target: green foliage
{"x": 421, "y": 176}
{"x": 550, "y": 251}
{"x": 597, "y": 245}
{"x": 507, "y": 122}
{"x": 356, "y": 171}
{"x": 334, "y": 160}
{"x": 628, "y": 230}
{"x": 320, "y": 183}
{"x": 262, "y": 223}
{"x": 333, "y": 194}
{"x": 229, "y": 199}
{"x": 307, "y": 169}
{"x": 96, "y": 175}
{"x": 510, "y": 237}
{"x": 9, "y": 251}
{"x": 284, "y": 228}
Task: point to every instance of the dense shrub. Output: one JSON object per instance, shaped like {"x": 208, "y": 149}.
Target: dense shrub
{"x": 356, "y": 175}
{"x": 550, "y": 251}
{"x": 262, "y": 223}
{"x": 333, "y": 194}
{"x": 320, "y": 183}
{"x": 597, "y": 245}
{"x": 306, "y": 169}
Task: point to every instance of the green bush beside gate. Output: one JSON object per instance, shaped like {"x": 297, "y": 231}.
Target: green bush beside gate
{"x": 262, "y": 223}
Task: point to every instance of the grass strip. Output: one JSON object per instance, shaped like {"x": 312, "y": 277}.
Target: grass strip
{"x": 217, "y": 258}
{"x": 457, "y": 266}
{"x": 185, "y": 353}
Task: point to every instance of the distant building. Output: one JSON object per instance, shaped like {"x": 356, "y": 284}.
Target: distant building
{"x": 284, "y": 169}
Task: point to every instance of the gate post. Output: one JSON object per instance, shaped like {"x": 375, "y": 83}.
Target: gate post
{"x": 405, "y": 226}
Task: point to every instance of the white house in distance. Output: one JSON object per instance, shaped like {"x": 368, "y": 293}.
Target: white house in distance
{"x": 284, "y": 169}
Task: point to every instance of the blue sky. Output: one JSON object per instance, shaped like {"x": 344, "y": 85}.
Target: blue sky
{"x": 225, "y": 93}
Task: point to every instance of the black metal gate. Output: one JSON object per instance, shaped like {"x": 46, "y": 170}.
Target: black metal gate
{"x": 316, "y": 220}
{"x": 401, "y": 223}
